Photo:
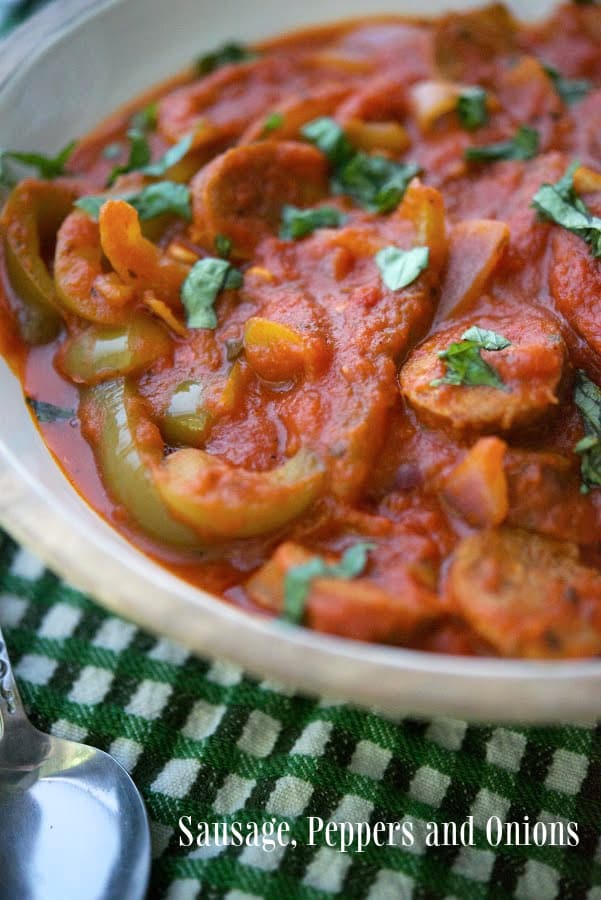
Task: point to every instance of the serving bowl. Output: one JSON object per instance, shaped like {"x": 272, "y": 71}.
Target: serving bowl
{"x": 61, "y": 73}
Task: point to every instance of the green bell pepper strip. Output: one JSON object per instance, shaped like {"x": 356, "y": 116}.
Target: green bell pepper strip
{"x": 30, "y": 219}
{"x": 127, "y": 449}
{"x": 101, "y": 353}
{"x": 224, "y": 502}
{"x": 186, "y": 421}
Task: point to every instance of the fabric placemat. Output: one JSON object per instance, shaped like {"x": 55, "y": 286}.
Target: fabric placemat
{"x": 203, "y": 740}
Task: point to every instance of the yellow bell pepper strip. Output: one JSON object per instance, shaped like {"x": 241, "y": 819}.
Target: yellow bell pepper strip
{"x": 423, "y": 205}
{"x": 29, "y": 220}
{"x": 186, "y": 421}
{"x": 277, "y": 352}
{"x": 224, "y": 502}
{"x": 273, "y": 350}
{"x": 82, "y": 286}
{"x": 137, "y": 260}
{"x": 128, "y": 445}
{"x": 103, "y": 352}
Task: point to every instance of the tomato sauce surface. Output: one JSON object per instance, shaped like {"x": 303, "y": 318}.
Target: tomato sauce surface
{"x": 349, "y": 371}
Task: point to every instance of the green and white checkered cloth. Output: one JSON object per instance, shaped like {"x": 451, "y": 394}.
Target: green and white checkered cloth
{"x": 204, "y": 740}
{"x": 201, "y": 739}
{"x": 12, "y": 12}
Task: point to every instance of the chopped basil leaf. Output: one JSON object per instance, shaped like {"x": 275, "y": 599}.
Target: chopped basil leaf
{"x": 375, "y": 182}
{"x": 327, "y": 135}
{"x": 112, "y": 151}
{"x": 229, "y": 53}
{"x": 154, "y": 200}
{"x": 488, "y": 340}
{"x": 524, "y": 145}
{"x": 297, "y": 223}
{"x": 146, "y": 119}
{"x": 472, "y": 108}
{"x": 298, "y": 579}
{"x": 48, "y": 412}
{"x": 207, "y": 278}
{"x": 172, "y": 156}
{"x": 47, "y": 166}
{"x": 464, "y": 362}
{"x": 587, "y": 397}
{"x": 223, "y": 245}
{"x": 139, "y": 155}
{"x": 571, "y": 90}
{"x": 273, "y": 122}
{"x": 560, "y": 204}
{"x": 400, "y": 268}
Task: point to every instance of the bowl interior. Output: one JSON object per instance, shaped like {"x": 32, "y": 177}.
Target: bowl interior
{"x": 59, "y": 75}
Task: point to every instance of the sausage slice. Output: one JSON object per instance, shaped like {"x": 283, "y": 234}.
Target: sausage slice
{"x": 240, "y": 194}
{"x": 527, "y": 595}
{"x": 531, "y": 370}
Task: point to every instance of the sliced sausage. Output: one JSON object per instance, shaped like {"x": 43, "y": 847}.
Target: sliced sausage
{"x": 296, "y": 111}
{"x": 544, "y": 496}
{"x": 220, "y": 106}
{"x": 527, "y": 595}
{"x": 466, "y": 44}
{"x": 359, "y": 609}
{"x": 241, "y": 193}
{"x": 531, "y": 369}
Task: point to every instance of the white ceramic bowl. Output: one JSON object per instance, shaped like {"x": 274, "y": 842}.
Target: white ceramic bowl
{"x": 61, "y": 73}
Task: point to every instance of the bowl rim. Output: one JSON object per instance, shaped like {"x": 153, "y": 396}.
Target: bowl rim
{"x": 392, "y": 680}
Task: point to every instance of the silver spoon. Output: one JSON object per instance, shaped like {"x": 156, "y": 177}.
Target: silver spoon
{"x": 72, "y": 823}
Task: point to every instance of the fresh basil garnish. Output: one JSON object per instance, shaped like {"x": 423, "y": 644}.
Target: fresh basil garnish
{"x": 273, "y": 122}
{"x": 524, "y": 145}
{"x": 375, "y": 182}
{"x": 47, "y": 412}
{"x": 223, "y": 245}
{"x": 472, "y": 108}
{"x": 298, "y": 579}
{"x": 561, "y": 204}
{"x": 400, "y": 268}
{"x": 139, "y": 157}
{"x": 297, "y": 223}
{"x": 587, "y": 397}
{"x": 154, "y": 200}
{"x": 112, "y": 151}
{"x": 207, "y": 278}
{"x": 570, "y": 90}
{"x": 146, "y": 119}
{"x": 172, "y": 156}
{"x": 327, "y": 135}
{"x": 464, "y": 363}
{"x": 229, "y": 53}
{"x": 47, "y": 166}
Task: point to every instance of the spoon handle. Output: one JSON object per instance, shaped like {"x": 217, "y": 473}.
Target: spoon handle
{"x": 11, "y": 707}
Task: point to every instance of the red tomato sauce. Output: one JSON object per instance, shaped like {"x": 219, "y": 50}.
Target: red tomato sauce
{"x": 324, "y": 445}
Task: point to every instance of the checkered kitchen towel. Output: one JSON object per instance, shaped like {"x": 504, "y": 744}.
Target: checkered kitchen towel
{"x": 12, "y": 12}
{"x": 204, "y": 741}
